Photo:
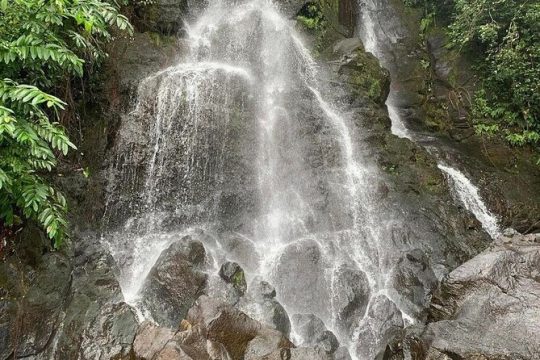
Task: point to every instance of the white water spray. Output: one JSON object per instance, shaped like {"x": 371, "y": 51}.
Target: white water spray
{"x": 469, "y": 196}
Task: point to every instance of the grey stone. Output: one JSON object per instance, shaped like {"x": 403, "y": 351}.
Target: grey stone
{"x": 175, "y": 282}
{"x": 232, "y": 273}
{"x": 382, "y": 323}
{"x": 489, "y": 305}
{"x": 352, "y": 295}
{"x": 314, "y": 333}
{"x": 413, "y": 281}
{"x": 150, "y": 340}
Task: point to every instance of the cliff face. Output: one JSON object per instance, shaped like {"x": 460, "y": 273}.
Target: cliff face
{"x": 433, "y": 86}
{"x": 75, "y": 296}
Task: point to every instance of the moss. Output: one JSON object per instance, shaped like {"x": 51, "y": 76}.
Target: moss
{"x": 239, "y": 279}
{"x": 368, "y": 78}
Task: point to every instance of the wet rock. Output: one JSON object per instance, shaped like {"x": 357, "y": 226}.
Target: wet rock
{"x": 224, "y": 324}
{"x": 172, "y": 351}
{"x": 232, "y": 273}
{"x": 150, "y": 340}
{"x": 97, "y": 324}
{"x": 163, "y": 16}
{"x": 413, "y": 280}
{"x": 352, "y": 296}
{"x": 261, "y": 289}
{"x": 314, "y": 333}
{"x": 260, "y": 303}
{"x": 489, "y": 306}
{"x": 299, "y": 278}
{"x": 347, "y": 47}
{"x": 241, "y": 250}
{"x": 265, "y": 343}
{"x": 213, "y": 330}
{"x": 361, "y": 70}
{"x": 111, "y": 332}
{"x": 175, "y": 282}
{"x": 509, "y": 232}
{"x": 31, "y": 302}
{"x": 408, "y": 344}
{"x": 291, "y": 7}
{"x": 382, "y": 323}
{"x": 342, "y": 353}
{"x": 298, "y": 354}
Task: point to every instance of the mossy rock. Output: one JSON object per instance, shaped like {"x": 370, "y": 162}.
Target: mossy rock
{"x": 362, "y": 71}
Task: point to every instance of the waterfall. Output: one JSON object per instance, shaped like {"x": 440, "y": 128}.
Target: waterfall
{"x": 381, "y": 32}
{"x": 241, "y": 140}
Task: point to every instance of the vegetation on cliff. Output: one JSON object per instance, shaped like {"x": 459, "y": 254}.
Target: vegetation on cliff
{"x": 43, "y": 45}
{"x": 502, "y": 38}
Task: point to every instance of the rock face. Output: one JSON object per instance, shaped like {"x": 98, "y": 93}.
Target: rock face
{"x": 97, "y": 324}
{"x": 489, "y": 305}
{"x": 414, "y": 280}
{"x": 69, "y": 307}
{"x": 487, "y": 308}
{"x": 356, "y": 69}
{"x": 299, "y": 274}
{"x": 175, "y": 282}
{"x": 42, "y": 292}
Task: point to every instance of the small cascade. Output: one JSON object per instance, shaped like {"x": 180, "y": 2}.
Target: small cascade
{"x": 381, "y": 32}
{"x": 468, "y": 195}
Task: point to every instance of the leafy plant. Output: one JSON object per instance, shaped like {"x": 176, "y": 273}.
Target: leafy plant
{"x": 42, "y": 44}
{"x": 502, "y": 37}
{"x": 312, "y": 19}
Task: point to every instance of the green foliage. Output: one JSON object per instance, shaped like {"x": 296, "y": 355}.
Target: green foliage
{"x": 42, "y": 44}
{"x": 503, "y": 39}
{"x": 507, "y": 33}
{"x": 312, "y": 19}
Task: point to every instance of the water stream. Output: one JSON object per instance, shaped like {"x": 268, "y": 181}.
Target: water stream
{"x": 382, "y": 35}
{"x": 241, "y": 142}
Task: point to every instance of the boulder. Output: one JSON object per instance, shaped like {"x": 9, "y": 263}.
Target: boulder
{"x": 175, "y": 282}
{"x": 233, "y": 274}
{"x": 489, "y": 306}
{"x": 150, "y": 340}
{"x": 382, "y": 323}
{"x": 110, "y": 333}
{"x": 298, "y": 354}
{"x": 260, "y": 303}
{"x": 314, "y": 333}
{"x": 412, "y": 282}
{"x": 240, "y": 250}
{"x": 265, "y": 343}
{"x": 300, "y": 280}
{"x": 352, "y": 293}
{"x": 213, "y": 330}
{"x": 224, "y": 324}
{"x": 361, "y": 70}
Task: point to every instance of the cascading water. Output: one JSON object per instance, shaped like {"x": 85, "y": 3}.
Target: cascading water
{"x": 239, "y": 141}
{"x": 467, "y": 193}
{"x": 382, "y": 34}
